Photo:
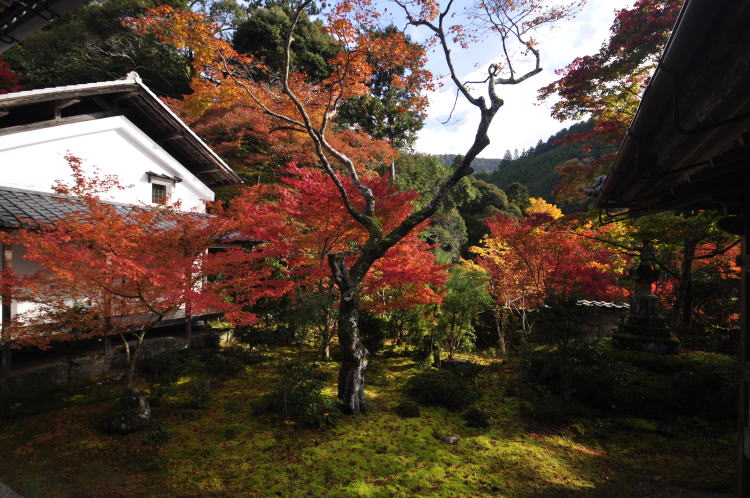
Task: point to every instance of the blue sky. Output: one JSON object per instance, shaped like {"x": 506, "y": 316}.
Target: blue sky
{"x": 522, "y": 121}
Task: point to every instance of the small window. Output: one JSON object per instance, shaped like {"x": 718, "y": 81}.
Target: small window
{"x": 158, "y": 193}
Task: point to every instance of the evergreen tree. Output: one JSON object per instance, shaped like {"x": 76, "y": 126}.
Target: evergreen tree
{"x": 90, "y": 45}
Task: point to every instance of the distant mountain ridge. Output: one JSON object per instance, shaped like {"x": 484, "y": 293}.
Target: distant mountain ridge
{"x": 479, "y": 164}
{"x": 535, "y": 167}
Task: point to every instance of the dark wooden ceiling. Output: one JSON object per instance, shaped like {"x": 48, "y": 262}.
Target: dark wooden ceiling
{"x": 689, "y": 144}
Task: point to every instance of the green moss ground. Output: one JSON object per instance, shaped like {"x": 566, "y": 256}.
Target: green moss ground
{"x": 224, "y": 450}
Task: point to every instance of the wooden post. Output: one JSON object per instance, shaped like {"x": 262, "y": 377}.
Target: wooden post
{"x": 743, "y": 419}
{"x": 107, "y": 324}
{"x": 188, "y": 327}
{"x": 6, "y": 301}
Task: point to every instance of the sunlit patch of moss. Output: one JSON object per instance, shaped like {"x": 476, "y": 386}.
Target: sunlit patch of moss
{"x": 62, "y": 453}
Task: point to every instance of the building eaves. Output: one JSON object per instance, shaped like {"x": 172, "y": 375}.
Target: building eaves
{"x": 131, "y": 98}
{"x": 686, "y": 144}
{"x": 21, "y": 18}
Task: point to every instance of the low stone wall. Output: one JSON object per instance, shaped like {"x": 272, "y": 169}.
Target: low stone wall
{"x": 89, "y": 365}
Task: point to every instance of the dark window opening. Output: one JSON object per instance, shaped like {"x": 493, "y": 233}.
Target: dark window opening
{"x": 158, "y": 193}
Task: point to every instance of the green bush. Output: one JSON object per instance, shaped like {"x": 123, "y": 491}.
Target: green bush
{"x": 222, "y": 365}
{"x": 476, "y": 417}
{"x": 638, "y": 384}
{"x": 407, "y": 409}
{"x": 465, "y": 369}
{"x": 423, "y": 353}
{"x": 374, "y": 331}
{"x": 233, "y": 406}
{"x": 212, "y": 341}
{"x": 200, "y": 393}
{"x": 231, "y": 432}
{"x": 297, "y": 395}
{"x": 170, "y": 366}
{"x": 259, "y": 336}
{"x": 442, "y": 388}
{"x": 231, "y": 361}
{"x": 549, "y": 408}
{"x": 163, "y": 370}
{"x": 158, "y": 438}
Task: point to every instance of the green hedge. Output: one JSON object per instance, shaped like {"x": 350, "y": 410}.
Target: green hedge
{"x": 639, "y": 384}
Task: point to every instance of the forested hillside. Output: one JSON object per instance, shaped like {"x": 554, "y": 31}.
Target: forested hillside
{"x": 479, "y": 164}
{"x": 535, "y": 167}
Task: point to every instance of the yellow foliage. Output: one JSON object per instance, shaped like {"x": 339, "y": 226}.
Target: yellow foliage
{"x": 540, "y": 206}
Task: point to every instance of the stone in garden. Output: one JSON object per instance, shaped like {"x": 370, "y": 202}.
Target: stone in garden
{"x": 132, "y": 413}
{"x": 644, "y": 328}
{"x": 451, "y": 439}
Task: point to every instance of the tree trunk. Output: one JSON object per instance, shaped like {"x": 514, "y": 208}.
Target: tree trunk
{"x": 132, "y": 356}
{"x": 683, "y": 309}
{"x": 326, "y": 342}
{"x": 500, "y": 333}
{"x": 5, "y": 361}
{"x": 351, "y": 381}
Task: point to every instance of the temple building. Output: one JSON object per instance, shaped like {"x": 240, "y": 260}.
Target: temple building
{"x": 688, "y": 147}
{"x": 118, "y": 127}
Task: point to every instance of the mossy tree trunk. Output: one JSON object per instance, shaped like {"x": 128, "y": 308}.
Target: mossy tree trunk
{"x": 351, "y": 380}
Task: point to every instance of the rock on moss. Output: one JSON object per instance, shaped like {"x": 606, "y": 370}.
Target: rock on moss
{"x": 131, "y": 413}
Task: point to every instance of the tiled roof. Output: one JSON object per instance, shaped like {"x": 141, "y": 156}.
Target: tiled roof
{"x": 19, "y": 208}
{"x": 602, "y": 304}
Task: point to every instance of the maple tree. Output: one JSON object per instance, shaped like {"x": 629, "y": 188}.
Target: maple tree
{"x": 222, "y": 77}
{"x": 607, "y": 86}
{"x": 109, "y": 269}
{"x": 9, "y": 81}
{"x": 315, "y": 223}
{"x": 537, "y": 205}
{"x": 533, "y": 259}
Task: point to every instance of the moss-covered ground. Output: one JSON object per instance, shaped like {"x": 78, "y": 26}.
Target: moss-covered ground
{"x": 223, "y": 449}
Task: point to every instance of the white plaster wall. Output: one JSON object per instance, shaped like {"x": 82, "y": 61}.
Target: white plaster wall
{"x": 34, "y": 159}
{"x": 22, "y": 267}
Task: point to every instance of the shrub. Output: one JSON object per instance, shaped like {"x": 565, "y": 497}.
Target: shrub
{"x": 223, "y": 365}
{"x": 638, "y": 384}
{"x": 163, "y": 370}
{"x": 462, "y": 368}
{"x": 476, "y": 417}
{"x": 374, "y": 330}
{"x": 259, "y": 336}
{"x": 443, "y": 388}
{"x": 297, "y": 395}
{"x": 548, "y": 408}
{"x": 231, "y": 432}
{"x": 158, "y": 438}
{"x": 200, "y": 393}
{"x": 233, "y": 406}
{"x": 423, "y": 353}
{"x": 407, "y": 409}
{"x": 170, "y": 366}
{"x": 212, "y": 341}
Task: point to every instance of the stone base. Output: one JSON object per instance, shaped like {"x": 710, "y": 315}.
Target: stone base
{"x": 651, "y": 344}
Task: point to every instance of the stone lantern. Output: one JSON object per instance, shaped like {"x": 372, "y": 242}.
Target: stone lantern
{"x": 644, "y": 328}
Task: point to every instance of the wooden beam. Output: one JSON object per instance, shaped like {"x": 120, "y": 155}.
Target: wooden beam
{"x": 743, "y": 419}
{"x": 55, "y": 122}
{"x": 63, "y": 104}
